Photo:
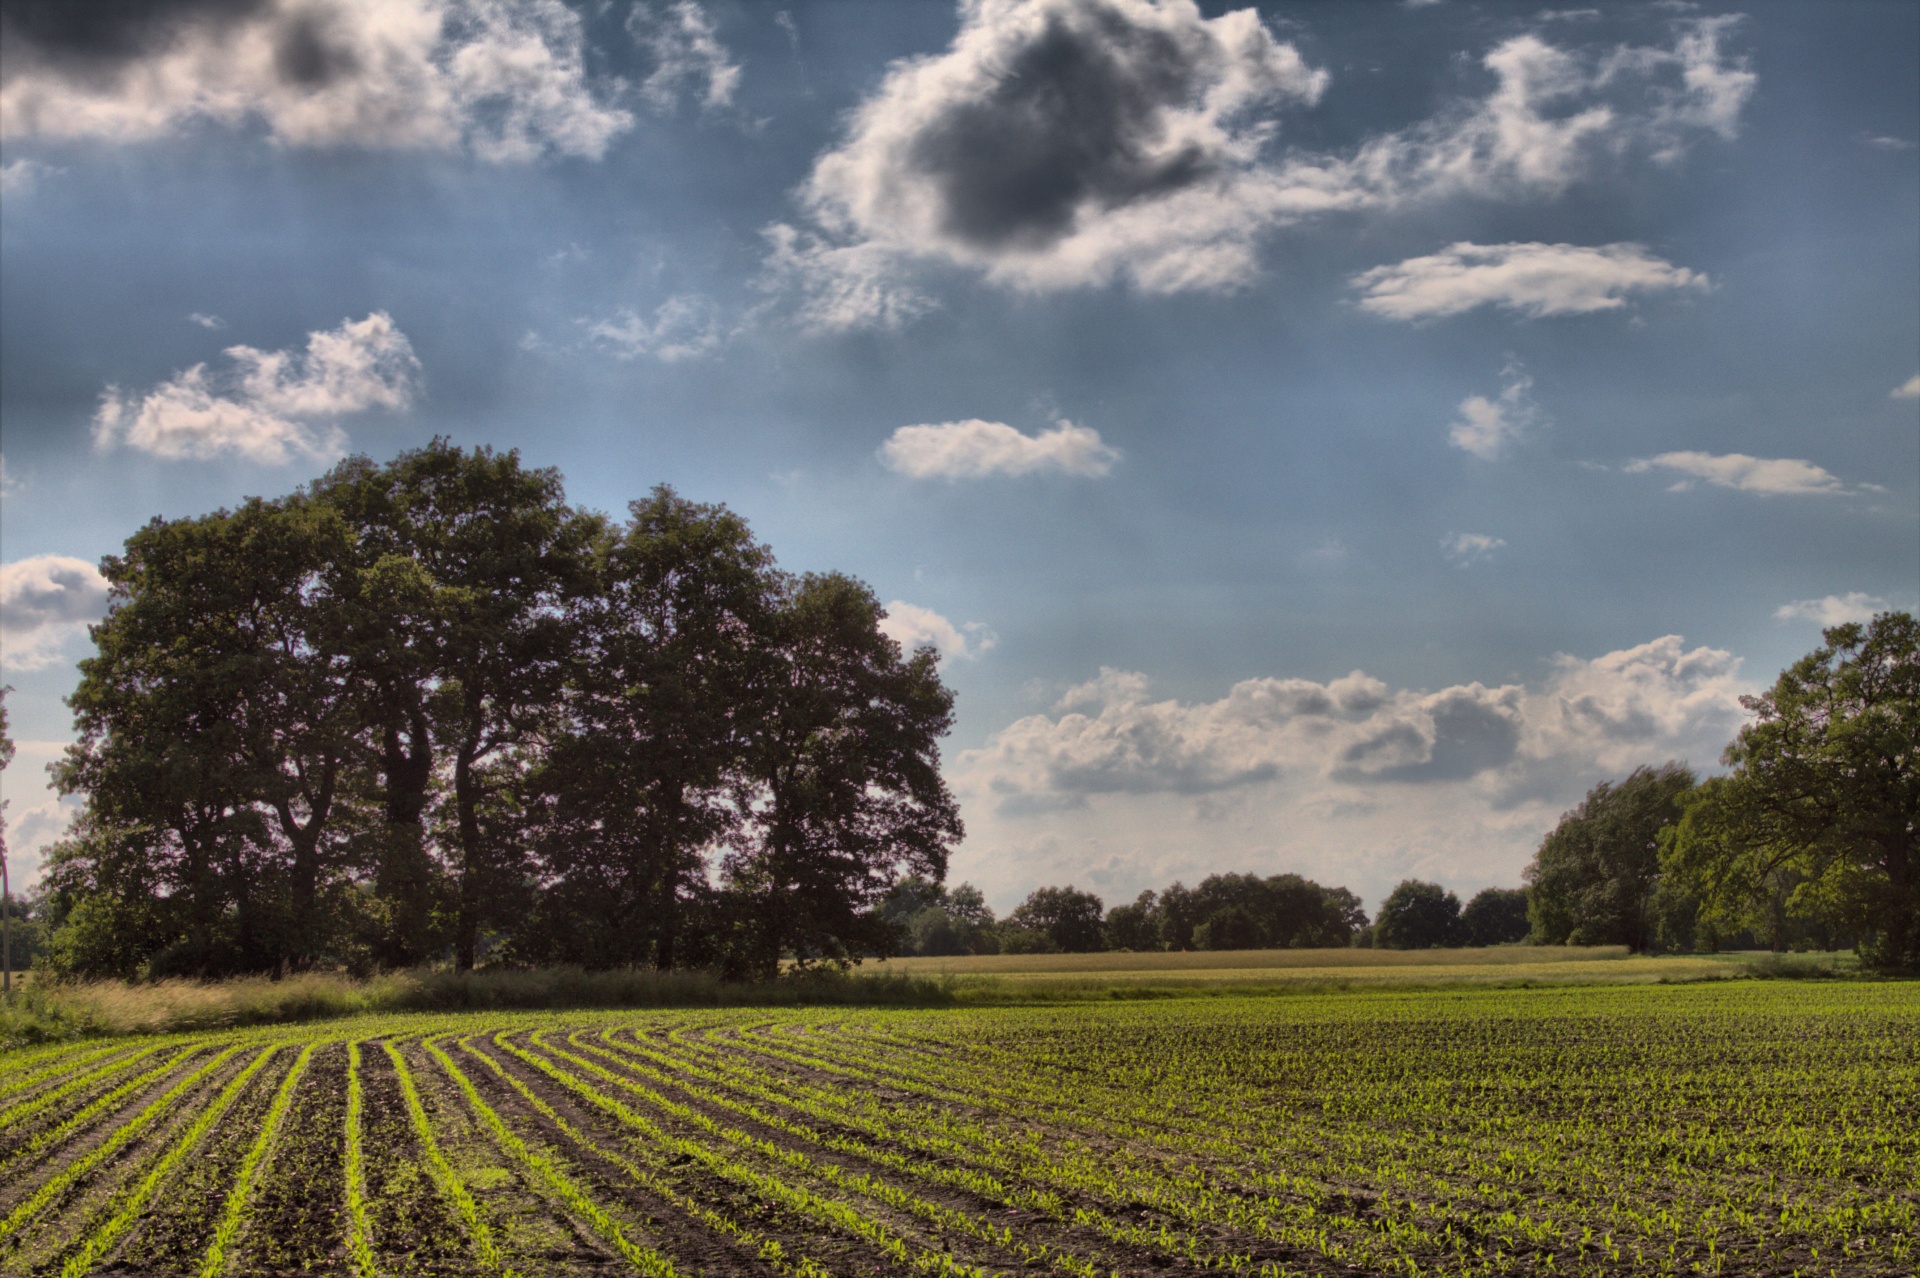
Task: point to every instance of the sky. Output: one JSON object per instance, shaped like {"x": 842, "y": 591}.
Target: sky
{"x": 1319, "y": 438}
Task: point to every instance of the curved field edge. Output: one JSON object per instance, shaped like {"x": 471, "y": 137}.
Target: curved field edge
{"x": 1735, "y": 1127}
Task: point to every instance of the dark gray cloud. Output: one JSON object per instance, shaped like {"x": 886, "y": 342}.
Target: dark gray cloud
{"x": 1076, "y": 116}
{"x": 100, "y": 34}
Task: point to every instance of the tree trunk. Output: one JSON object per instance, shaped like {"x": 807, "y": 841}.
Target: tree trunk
{"x": 466, "y": 800}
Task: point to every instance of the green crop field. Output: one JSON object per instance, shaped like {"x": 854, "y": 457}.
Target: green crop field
{"x": 1741, "y": 1128}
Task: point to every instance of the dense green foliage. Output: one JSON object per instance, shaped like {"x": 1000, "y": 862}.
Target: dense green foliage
{"x": 1812, "y": 841}
{"x": 1748, "y": 1128}
{"x": 1417, "y": 916}
{"x": 1495, "y": 916}
{"x": 1818, "y": 824}
{"x": 428, "y": 708}
{"x": 1594, "y": 878}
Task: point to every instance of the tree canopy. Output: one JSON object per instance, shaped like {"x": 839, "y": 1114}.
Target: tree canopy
{"x": 428, "y": 708}
{"x": 1819, "y": 816}
{"x": 1594, "y": 878}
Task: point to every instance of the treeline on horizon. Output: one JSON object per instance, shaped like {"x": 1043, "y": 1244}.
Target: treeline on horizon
{"x": 427, "y": 711}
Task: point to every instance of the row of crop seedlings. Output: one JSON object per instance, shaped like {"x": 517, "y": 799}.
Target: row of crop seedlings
{"x": 1489, "y": 1180}
{"x": 1163, "y": 1208}
{"x": 1420, "y": 1222}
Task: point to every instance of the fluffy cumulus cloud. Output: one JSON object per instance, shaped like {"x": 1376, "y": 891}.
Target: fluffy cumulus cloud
{"x": 975, "y": 449}
{"x": 1486, "y": 427}
{"x": 1768, "y": 476}
{"x": 1534, "y": 279}
{"x": 45, "y": 602}
{"x": 688, "y": 58}
{"x": 271, "y": 406}
{"x": 912, "y": 627}
{"x": 1833, "y": 610}
{"x": 1068, "y": 143}
{"x": 1350, "y": 780}
{"x": 505, "y": 78}
{"x": 1909, "y": 389}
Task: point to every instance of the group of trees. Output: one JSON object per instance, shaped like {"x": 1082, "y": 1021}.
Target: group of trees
{"x": 430, "y": 709}
{"x": 1224, "y": 912}
{"x": 1811, "y": 840}
{"x": 1422, "y": 916}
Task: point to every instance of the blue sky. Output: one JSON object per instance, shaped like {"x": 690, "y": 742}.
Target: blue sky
{"x": 1323, "y": 438}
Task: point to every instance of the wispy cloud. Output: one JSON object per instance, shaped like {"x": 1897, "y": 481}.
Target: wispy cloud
{"x": 1488, "y": 427}
{"x": 974, "y": 449}
{"x": 272, "y": 406}
{"x": 1535, "y": 280}
{"x": 1467, "y": 549}
{"x": 1909, "y": 389}
{"x": 1833, "y": 610}
{"x": 687, "y": 53}
{"x": 1769, "y": 476}
{"x": 682, "y": 327}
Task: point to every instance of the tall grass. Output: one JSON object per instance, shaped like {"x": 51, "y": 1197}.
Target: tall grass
{"x": 54, "y": 1010}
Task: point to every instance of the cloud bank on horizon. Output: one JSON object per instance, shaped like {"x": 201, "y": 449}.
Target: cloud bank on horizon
{"x": 1251, "y": 406}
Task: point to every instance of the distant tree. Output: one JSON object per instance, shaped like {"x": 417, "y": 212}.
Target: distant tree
{"x": 1069, "y": 918}
{"x": 1820, "y": 816}
{"x": 1594, "y": 878}
{"x": 933, "y": 920}
{"x": 1417, "y": 916}
{"x": 1228, "y": 928}
{"x": 1133, "y": 926}
{"x": 1495, "y": 916}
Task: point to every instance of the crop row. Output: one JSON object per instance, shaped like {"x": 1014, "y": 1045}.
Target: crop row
{"x": 1761, "y": 1129}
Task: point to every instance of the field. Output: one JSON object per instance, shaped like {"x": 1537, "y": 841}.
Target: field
{"x": 1734, "y": 1127}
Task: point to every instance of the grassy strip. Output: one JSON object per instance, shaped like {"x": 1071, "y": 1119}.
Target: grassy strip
{"x": 830, "y": 1212}
{"x": 28, "y": 1108}
{"x": 547, "y": 1171}
{"x": 31, "y": 1208}
{"x": 135, "y": 1202}
{"x": 444, "y": 1175}
{"x": 100, "y": 1106}
{"x": 358, "y": 1246}
{"x": 769, "y": 1250}
{"x": 229, "y": 1226}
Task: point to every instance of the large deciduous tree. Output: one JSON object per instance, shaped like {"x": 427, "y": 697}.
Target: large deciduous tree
{"x": 1594, "y": 879}
{"x": 1820, "y": 815}
{"x": 842, "y": 794}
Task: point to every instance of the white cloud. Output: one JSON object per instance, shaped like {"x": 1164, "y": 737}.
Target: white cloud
{"x": 206, "y": 321}
{"x": 1534, "y": 279}
{"x": 263, "y": 409}
{"x": 1770, "y": 476}
{"x": 1834, "y": 610}
{"x": 1909, "y": 389}
{"x": 682, "y": 327}
{"x": 1070, "y": 143}
{"x": 505, "y": 79}
{"x": 686, "y": 51}
{"x": 1467, "y": 549}
{"x": 914, "y": 627}
{"x": 1488, "y": 427}
{"x": 9, "y": 482}
{"x": 1351, "y": 780}
{"x": 974, "y": 449}
{"x": 46, "y": 601}
{"x": 1884, "y": 143}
